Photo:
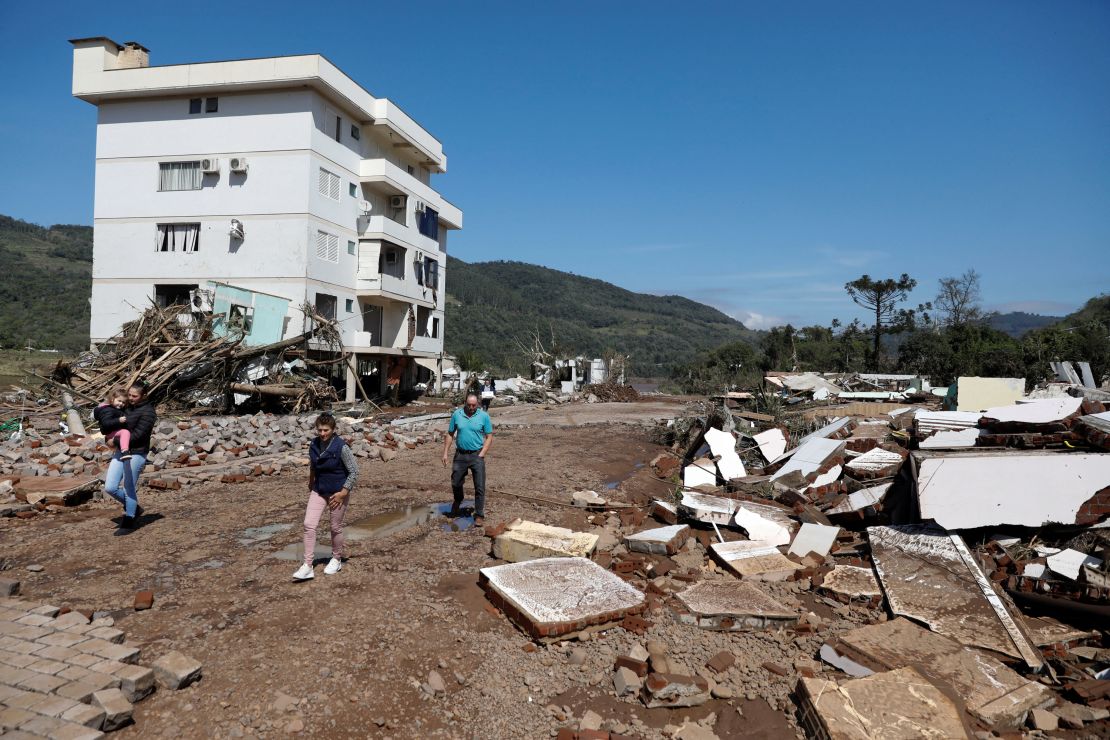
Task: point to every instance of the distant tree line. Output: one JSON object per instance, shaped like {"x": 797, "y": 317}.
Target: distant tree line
{"x": 942, "y": 339}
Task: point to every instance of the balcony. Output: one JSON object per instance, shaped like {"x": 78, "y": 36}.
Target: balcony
{"x": 396, "y": 181}
{"x": 380, "y": 227}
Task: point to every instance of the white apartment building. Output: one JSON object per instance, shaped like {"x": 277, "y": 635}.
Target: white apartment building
{"x": 281, "y": 176}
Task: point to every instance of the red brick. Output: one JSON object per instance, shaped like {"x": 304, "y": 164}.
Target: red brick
{"x": 721, "y": 662}
{"x": 775, "y": 668}
{"x": 639, "y": 667}
{"x": 144, "y": 600}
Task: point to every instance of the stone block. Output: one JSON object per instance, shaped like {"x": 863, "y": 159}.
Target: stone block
{"x": 42, "y": 683}
{"x": 8, "y": 587}
{"x": 13, "y": 717}
{"x": 54, "y": 706}
{"x": 135, "y": 681}
{"x": 1044, "y": 720}
{"x": 176, "y": 671}
{"x": 659, "y": 540}
{"x": 70, "y": 619}
{"x": 626, "y": 682}
{"x": 117, "y": 710}
{"x": 522, "y": 541}
{"x": 111, "y": 634}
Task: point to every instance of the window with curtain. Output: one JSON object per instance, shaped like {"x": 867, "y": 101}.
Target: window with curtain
{"x": 428, "y": 223}
{"x": 179, "y": 175}
{"x": 178, "y": 238}
{"x": 431, "y": 273}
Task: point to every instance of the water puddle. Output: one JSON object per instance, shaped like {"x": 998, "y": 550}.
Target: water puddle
{"x": 255, "y": 535}
{"x": 385, "y": 524}
{"x": 614, "y": 483}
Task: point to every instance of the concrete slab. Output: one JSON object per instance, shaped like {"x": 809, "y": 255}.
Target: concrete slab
{"x": 971, "y": 490}
{"x": 756, "y": 561}
{"x": 772, "y": 443}
{"x": 723, "y": 447}
{"x": 659, "y": 541}
{"x": 861, "y": 500}
{"x": 764, "y": 523}
{"x": 977, "y": 394}
{"x": 703, "y": 507}
{"x": 894, "y": 705}
{"x": 733, "y": 605}
{"x": 702, "y": 472}
{"x": 524, "y": 540}
{"x": 838, "y": 428}
{"x": 1043, "y": 411}
{"x": 1069, "y": 562}
{"x": 876, "y": 463}
{"x": 815, "y": 538}
{"x": 810, "y": 457}
{"x": 553, "y": 598}
{"x": 930, "y": 575}
{"x": 851, "y": 581}
{"x": 951, "y": 440}
{"x": 992, "y": 692}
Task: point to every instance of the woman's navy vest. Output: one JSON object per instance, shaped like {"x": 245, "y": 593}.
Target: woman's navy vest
{"x": 327, "y": 465}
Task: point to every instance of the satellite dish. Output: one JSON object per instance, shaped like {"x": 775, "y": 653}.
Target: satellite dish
{"x": 365, "y": 206}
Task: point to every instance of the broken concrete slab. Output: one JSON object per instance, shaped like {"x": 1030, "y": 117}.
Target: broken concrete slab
{"x": 522, "y": 540}
{"x": 733, "y": 605}
{"x": 815, "y": 538}
{"x": 811, "y": 458}
{"x": 895, "y": 704}
{"x": 701, "y": 472}
{"x": 838, "y": 428}
{"x": 977, "y": 394}
{"x": 659, "y": 541}
{"x": 723, "y": 447}
{"x": 757, "y": 561}
{"x": 62, "y": 490}
{"x": 992, "y": 692}
{"x": 703, "y": 507}
{"x": 876, "y": 463}
{"x": 1069, "y": 563}
{"x": 664, "y": 511}
{"x": 553, "y": 598}
{"x": 587, "y": 499}
{"x": 866, "y": 501}
{"x": 771, "y": 525}
{"x": 930, "y": 575}
{"x": 965, "y": 491}
{"x": 771, "y": 443}
{"x": 951, "y": 440}
{"x": 674, "y": 690}
{"x": 1042, "y": 411}
{"x": 851, "y": 581}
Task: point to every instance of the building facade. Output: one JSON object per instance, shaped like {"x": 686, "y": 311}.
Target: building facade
{"x": 281, "y": 176}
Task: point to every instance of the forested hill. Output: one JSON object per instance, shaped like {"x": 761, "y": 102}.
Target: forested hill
{"x": 1017, "y": 323}
{"x": 45, "y": 285}
{"x": 493, "y": 305}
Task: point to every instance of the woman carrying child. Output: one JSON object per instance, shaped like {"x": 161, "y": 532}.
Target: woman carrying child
{"x": 109, "y": 415}
{"x": 332, "y": 474}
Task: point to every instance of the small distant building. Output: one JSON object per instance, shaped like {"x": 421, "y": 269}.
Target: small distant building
{"x": 279, "y": 179}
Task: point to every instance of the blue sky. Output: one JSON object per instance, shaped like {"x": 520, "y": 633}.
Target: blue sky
{"x": 753, "y": 156}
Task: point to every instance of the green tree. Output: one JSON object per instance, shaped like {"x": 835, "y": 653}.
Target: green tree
{"x": 881, "y": 297}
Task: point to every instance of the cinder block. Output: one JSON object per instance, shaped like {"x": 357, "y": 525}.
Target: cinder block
{"x": 117, "y": 710}
{"x": 176, "y": 671}
{"x": 135, "y": 681}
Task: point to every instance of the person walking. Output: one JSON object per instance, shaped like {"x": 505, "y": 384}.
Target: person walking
{"x": 489, "y": 391}
{"x": 140, "y": 421}
{"x": 332, "y": 475}
{"x": 472, "y": 431}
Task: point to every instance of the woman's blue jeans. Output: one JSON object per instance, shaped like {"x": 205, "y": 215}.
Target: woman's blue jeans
{"x": 119, "y": 471}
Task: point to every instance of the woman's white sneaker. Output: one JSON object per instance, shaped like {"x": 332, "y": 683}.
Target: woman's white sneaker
{"x": 334, "y": 566}
{"x": 304, "y": 573}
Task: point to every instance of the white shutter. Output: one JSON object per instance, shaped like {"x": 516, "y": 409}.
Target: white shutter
{"x": 333, "y": 248}
{"x": 321, "y": 245}
{"x": 322, "y": 182}
{"x": 333, "y": 187}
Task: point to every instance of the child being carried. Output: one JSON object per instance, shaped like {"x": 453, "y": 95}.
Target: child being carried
{"x": 111, "y": 419}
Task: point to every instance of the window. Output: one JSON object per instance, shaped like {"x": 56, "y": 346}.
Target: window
{"x": 351, "y": 189}
{"x": 431, "y": 274}
{"x": 179, "y": 176}
{"x": 327, "y": 246}
{"x": 435, "y": 328}
{"x": 328, "y": 184}
{"x": 173, "y": 295}
{"x": 338, "y": 127}
{"x": 211, "y": 105}
{"x": 178, "y": 238}
{"x": 350, "y": 305}
{"x": 194, "y": 106}
{"x": 240, "y": 318}
{"x": 391, "y": 257}
{"x": 411, "y": 170}
{"x": 325, "y": 305}
{"x": 350, "y": 247}
{"x": 356, "y": 134}
{"x": 428, "y": 223}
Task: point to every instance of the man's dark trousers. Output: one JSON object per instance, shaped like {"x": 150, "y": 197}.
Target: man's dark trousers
{"x": 465, "y": 461}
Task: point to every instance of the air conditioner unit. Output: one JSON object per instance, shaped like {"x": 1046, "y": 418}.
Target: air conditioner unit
{"x": 397, "y": 201}
{"x": 201, "y": 300}
{"x": 238, "y": 164}
{"x": 236, "y": 231}
{"x": 365, "y": 206}
{"x": 210, "y": 165}
{"x": 420, "y": 206}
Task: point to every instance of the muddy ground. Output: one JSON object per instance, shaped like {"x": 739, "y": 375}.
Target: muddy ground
{"x": 345, "y": 655}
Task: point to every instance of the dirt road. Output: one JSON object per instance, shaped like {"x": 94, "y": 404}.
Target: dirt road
{"x": 345, "y": 655}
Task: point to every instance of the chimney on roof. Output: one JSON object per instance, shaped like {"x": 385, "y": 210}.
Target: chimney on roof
{"x": 133, "y": 54}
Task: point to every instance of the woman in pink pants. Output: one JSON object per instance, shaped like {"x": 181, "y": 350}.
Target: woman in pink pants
{"x": 332, "y": 474}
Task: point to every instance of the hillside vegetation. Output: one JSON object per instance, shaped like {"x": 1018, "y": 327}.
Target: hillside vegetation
{"x": 494, "y": 305}
{"x": 1018, "y": 323}
{"x": 47, "y": 279}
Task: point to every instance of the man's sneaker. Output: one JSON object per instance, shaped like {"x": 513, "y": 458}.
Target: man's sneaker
{"x": 304, "y": 573}
{"x": 454, "y": 512}
{"x": 334, "y": 566}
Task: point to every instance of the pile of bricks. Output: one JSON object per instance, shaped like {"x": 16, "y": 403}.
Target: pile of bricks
{"x": 228, "y": 449}
{"x": 64, "y": 675}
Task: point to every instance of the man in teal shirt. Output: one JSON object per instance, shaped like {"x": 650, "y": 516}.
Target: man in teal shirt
{"x": 472, "y": 431}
